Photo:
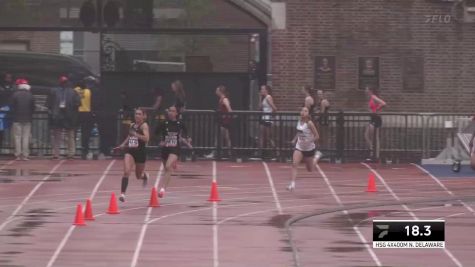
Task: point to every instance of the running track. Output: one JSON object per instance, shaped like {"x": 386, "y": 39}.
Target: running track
{"x": 39, "y": 198}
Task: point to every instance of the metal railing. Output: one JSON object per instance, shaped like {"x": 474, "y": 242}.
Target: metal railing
{"x": 405, "y": 137}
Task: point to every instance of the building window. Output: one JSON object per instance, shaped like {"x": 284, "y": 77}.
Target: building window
{"x": 15, "y": 45}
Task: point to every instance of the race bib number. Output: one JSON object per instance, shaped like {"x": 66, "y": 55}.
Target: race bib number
{"x": 171, "y": 140}
{"x": 133, "y": 142}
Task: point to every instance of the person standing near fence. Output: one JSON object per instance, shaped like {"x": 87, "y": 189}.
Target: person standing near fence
{"x": 224, "y": 119}
{"x": 22, "y": 106}
{"x": 180, "y": 96}
{"x": 323, "y": 120}
{"x": 6, "y": 89}
{"x": 305, "y": 148}
{"x": 135, "y": 151}
{"x": 471, "y": 151}
{"x": 309, "y": 101}
{"x": 268, "y": 107}
{"x": 63, "y": 104}
{"x": 375, "y": 105}
{"x": 170, "y": 133}
{"x": 86, "y": 116}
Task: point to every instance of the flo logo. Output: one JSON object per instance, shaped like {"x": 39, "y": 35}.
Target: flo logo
{"x": 384, "y": 228}
{"x": 444, "y": 19}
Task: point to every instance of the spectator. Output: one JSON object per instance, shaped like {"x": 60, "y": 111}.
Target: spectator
{"x": 6, "y": 86}
{"x": 86, "y": 116}
{"x": 63, "y": 104}
{"x": 7, "y": 83}
{"x": 180, "y": 96}
{"x": 157, "y": 99}
{"x": 22, "y": 106}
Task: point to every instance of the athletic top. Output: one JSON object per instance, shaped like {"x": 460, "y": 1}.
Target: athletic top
{"x": 373, "y": 105}
{"x": 305, "y": 137}
{"x": 224, "y": 119}
{"x": 312, "y": 107}
{"x": 326, "y": 108}
{"x": 170, "y": 132}
{"x": 266, "y": 108}
{"x": 134, "y": 143}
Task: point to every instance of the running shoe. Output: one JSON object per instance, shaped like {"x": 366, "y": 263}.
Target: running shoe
{"x": 210, "y": 155}
{"x": 317, "y": 157}
{"x": 145, "y": 179}
{"x": 291, "y": 186}
{"x": 122, "y": 198}
{"x": 161, "y": 193}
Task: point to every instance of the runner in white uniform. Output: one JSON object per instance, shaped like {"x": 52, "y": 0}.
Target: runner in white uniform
{"x": 305, "y": 148}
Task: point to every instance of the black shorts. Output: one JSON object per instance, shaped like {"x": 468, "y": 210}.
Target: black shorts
{"x": 376, "y": 121}
{"x": 308, "y": 154}
{"x": 139, "y": 156}
{"x": 166, "y": 151}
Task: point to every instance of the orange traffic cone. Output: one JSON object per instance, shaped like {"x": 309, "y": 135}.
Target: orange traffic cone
{"x": 154, "y": 198}
{"x": 371, "y": 183}
{"x": 79, "y": 220}
{"x": 88, "y": 213}
{"x": 213, "y": 197}
{"x": 113, "y": 209}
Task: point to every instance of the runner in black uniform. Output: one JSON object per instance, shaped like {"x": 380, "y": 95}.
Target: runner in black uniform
{"x": 134, "y": 146}
{"x": 171, "y": 133}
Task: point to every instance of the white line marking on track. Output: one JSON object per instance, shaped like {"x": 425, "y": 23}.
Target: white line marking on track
{"x": 145, "y": 225}
{"x": 274, "y": 192}
{"x": 32, "y": 192}
{"x": 442, "y": 185}
{"x": 355, "y": 228}
{"x": 215, "y": 225}
{"x": 381, "y": 179}
{"x": 451, "y": 215}
{"x": 72, "y": 227}
{"x": 259, "y": 212}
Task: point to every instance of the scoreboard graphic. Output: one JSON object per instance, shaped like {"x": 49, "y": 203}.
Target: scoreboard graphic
{"x": 408, "y": 234}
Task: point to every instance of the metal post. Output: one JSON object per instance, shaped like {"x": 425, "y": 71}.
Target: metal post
{"x": 340, "y": 135}
{"x": 218, "y": 135}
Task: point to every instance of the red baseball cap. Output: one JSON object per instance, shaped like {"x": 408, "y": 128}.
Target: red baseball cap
{"x": 21, "y": 81}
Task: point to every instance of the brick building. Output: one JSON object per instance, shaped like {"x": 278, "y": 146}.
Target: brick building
{"x": 426, "y": 57}
{"x": 422, "y": 51}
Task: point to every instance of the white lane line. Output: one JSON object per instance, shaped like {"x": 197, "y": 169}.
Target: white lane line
{"x": 72, "y": 227}
{"x": 451, "y": 215}
{"x": 260, "y": 212}
{"x": 355, "y": 227}
{"x": 145, "y": 225}
{"x": 215, "y": 225}
{"x": 381, "y": 179}
{"x": 442, "y": 185}
{"x": 32, "y": 192}
{"x": 274, "y": 192}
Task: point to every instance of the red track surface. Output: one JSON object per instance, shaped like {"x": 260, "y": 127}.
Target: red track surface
{"x": 245, "y": 229}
